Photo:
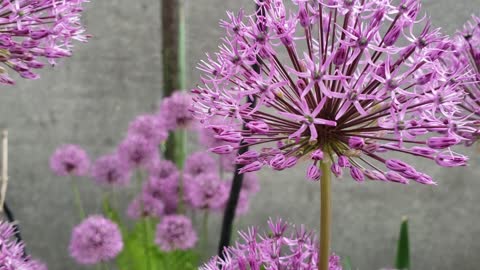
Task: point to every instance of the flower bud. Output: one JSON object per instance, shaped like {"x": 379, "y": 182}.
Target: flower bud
{"x": 222, "y": 150}
{"x": 441, "y": 142}
{"x": 356, "y": 142}
{"x": 395, "y": 177}
{"x": 314, "y": 173}
{"x": 357, "y": 174}
{"x": 252, "y": 167}
{"x": 317, "y": 154}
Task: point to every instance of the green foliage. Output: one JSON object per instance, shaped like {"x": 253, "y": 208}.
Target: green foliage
{"x": 403, "y": 248}
{"x": 346, "y": 265}
{"x": 135, "y": 249}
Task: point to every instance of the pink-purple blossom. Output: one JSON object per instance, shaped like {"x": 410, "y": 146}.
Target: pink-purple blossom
{"x": 175, "y": 232}
{"x": 175, "y": 111}
{"x": 351, "y": 80}
{"x": 205, "y": 191}
{"x": 95, "y": 240}
{"x": 110, "y": 170}
{"x": 151, "y": 127}
{"x": 284, "y": 246}
{"x": 199, "y": 163}
{"x": 71, "y": 160}
{"x": 145, "y": 206}
{"x": 34, "y": 30}
{"x": 137, "y": 151}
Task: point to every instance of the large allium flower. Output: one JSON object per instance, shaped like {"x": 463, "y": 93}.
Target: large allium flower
{"x": 95, "y": 240}
{"x": 175, "y": 232}
{"x": 174, "y": 110}
{"x": 12, "y": 252}
{"x": 145, "y": 206}
{"x": 137, "y": 151}
{"x": 279, "y": 248}
{"x": 205, "y": 191}
{"x": 110, "y": 170}
{"x": 149, "y": 126}
{"x": 465, "y": 56}
{"x": 32, "y": 30}
{"x": 346, "y": 80}
{"x": 163, "y": 189}
{"x": 70, "y": 160}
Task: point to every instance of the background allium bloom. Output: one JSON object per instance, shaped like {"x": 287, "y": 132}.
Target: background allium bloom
{"x": 280, "y": 248}
{"x": 145, "y": 206}
{"x": 175, "y": 110}
{"x": 205, "y": 191}
{"x": 199, "y": 163}
{"x": 137, "y": 151}
{"x": 366, "y": 85}
{"x": 32, "y": 30}
{"x": 69, "y": 160}
{"x": 36, "y": 265}
{"x": 465, "y": 57}
{"x": 110, "y": 170}
{"x": 149, "y": 126}
{"x": 175, "y": 232}
{"x": 95, "y": 240}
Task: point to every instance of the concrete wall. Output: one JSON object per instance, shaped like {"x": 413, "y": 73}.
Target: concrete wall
{"x": 90, "y": 99}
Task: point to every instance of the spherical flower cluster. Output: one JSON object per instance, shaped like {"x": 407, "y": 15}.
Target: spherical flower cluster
{"x": 199, "y": 163}
{"x": 95, "y": 240}
{"x": 145, "y": 206}
{"x": 12, "y": 255}
{"x": 70, "y": 160}
{"x": 111, "y": 171}
{"x": 32, "y": 30}
{"x": 165, "y": 190}
{"x": 206, "y": 191}
{"x": 150, "y": 127}
{"x": 175, "y": 232}
{"x": 464, "y": 57}
{"x": 346, "y": 81}
{"x": 137, "y": 151}
{"x": 280, "y": 248}
{"x": 175, "y": 110}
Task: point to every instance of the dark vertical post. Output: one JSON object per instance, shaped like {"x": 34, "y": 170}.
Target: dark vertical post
{"x": 173, "y": 59}
{"x": 230, "y": 209}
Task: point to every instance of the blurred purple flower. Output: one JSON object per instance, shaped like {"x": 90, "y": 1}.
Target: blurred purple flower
{"x": 175, "y": 232}
{"x": 137, "y": 151}
{"x": 199, "y": 163}
{"x": 70, "y": 160}
{"x": 150, "y": 127}
{"x": 32, "y": 30}
{"x": 353, "y": 90}
{"x": 280, "y": 248}
{"x": 145, "y": 206}
{"x": 175, "y": 111}
{"x": 205, "y": 191}
{"x": 95, "y": 240}
{"x": 111, "y": 171}
{"x": 165, "y": 190}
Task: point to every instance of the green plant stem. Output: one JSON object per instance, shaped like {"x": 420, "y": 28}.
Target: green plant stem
{"x": 325, "y": 214}
{"x": 146, "y": 242}
{"x": 78, "y": 200}
{"x": 205, "y": 231}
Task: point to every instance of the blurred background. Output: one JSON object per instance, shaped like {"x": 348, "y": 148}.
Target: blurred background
{"x": 90, "y": 99}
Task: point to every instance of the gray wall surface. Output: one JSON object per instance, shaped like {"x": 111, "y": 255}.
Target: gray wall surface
{"x": 90, "y": 98}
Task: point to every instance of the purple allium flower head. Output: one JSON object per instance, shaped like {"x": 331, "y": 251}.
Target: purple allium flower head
{"x": 175, "y": 111}
{"x": 110, "y": 170}
{"x": 164, "y": 190}
{"x": 33, "y": 30}
{"x": 357, "y": 81}
{"x": 95, "y": 240}
{"x": 149, "y": 126}
{"x": 163, "y": 169}
{"x": 199, "y": 163}
{"x": 284, "y": 246}
{"x": 11, "y": 251}
{"x": 70, "y": 160}
{"x": 205, "y": 191}
{"x": 175, "y": 232}
{"x": 137, "y": 151}
{"x": 145, "y": 206}
{"x": 36, "y": 265}
{"x": 464, "y": 59}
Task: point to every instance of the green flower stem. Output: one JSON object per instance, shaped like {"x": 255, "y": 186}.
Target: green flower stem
{"x": 78, "y": 200}
{"x": 325, "y": 214}
{"x": 146, "y": 243}
{"x": 205, "y": 231}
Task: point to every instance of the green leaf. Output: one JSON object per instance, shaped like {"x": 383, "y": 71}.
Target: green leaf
{"x": 403, "y": 248}
{"x": 346, "y": 265}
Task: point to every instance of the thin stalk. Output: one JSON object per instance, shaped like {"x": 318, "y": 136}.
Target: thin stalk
{"x": 205, "y": 231}
{"x": 146, "y": 244}
{"x": 325, "y": 214}
{"x": 78, "y": 199}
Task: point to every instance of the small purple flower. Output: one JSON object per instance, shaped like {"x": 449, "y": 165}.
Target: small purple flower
{"x": 163, "y": 169}
{"x": 136, "y": 151}
{"x": 70, "y": 160}
{"x": 175, "y": 111}
{"x": 199, "y": 163}
{"x": 145, "y": 206}
{"x": 205, "y": 191}
{"x": 175, "y": 232}
{"x": 150, "y": 127}
{"x": 95, "y": 240}
{"x": 165, "y": 190}
{"x": 283, "y": 245}
{"x": 111, "y": 171}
